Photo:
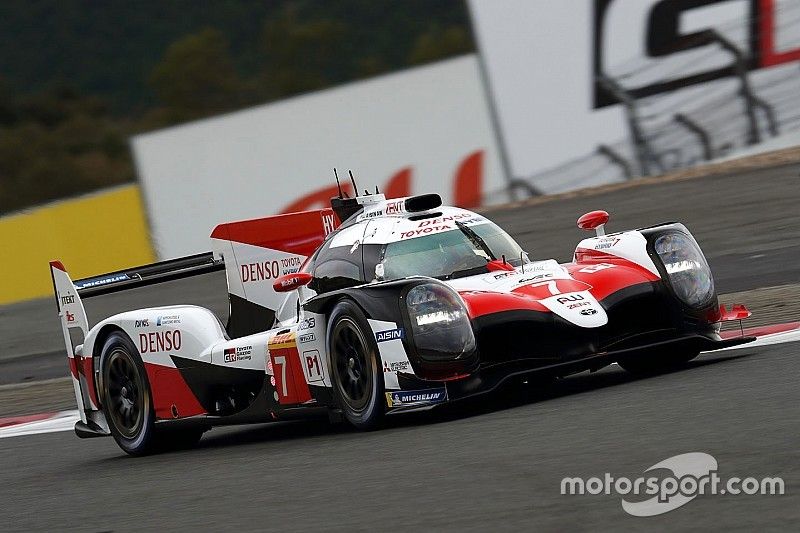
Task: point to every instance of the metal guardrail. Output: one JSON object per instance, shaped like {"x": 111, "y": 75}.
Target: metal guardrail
{"x": 695, "y": 129}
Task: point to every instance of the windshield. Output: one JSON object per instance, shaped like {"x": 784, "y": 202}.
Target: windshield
{"x": 450, "y": 254}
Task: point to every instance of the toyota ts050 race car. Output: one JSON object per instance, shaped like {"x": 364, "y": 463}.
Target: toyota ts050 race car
{"x": 375, "y": 307}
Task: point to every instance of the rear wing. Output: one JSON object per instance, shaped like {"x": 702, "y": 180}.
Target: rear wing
{"x": 163, "y": 271}
{"x": 69, "y": 294}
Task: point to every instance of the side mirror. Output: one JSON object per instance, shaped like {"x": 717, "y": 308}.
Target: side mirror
{"x": 594, "y": 220}
{"x": 290, "y": 282}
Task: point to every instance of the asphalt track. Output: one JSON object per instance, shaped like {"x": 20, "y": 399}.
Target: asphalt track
{"x": 493, "y": 463}
{"x": 488, "y": 465}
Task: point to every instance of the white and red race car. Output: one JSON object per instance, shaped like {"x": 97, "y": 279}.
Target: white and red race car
{"x": 375, "y": 307}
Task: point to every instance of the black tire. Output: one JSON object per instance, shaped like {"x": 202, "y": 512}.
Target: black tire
{"x": 128, "y": 402}
{"x": 125, "y": 396}
{"x": 355, "y": 370}
{"x": 655, "y": 362}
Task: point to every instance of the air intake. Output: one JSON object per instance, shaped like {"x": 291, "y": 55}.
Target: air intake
{"x": 423, "y": 202}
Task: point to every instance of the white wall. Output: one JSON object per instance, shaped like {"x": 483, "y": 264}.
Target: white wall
{"x": 256, "y": 162}
{"x": 539, "y": 60}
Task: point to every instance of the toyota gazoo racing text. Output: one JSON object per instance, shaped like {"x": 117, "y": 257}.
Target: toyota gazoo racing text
{"x": 375, "y": 307}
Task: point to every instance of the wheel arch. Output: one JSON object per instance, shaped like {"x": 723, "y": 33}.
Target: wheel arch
{"x": 102, "y": 335}
{"x": 97, "y": 351}
{"x": 329, "y": 304}
{"x": 380, "y": 301}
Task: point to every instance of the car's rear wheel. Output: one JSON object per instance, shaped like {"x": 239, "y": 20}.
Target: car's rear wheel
{"x": 126, "y": 395}
{"x": 657, "y": 361}
{"x": 356, "y": 374}
{"x": 128, "y": 404}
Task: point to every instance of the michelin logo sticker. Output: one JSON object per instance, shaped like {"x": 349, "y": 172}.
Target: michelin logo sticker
{"x": 414, "y": 398}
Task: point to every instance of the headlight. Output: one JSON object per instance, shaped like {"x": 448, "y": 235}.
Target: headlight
{"x": 439, "y": 322}
{"x": 686, "y": 267}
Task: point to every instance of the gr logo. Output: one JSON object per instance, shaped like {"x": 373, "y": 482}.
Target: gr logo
{"x": 656, "y": 30}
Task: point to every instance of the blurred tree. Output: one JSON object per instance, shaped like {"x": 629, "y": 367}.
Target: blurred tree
{"x": 439, "y": 43}
{"x": 301, "y": 54}
{"x": 8, "y": 115}
{"x": 79, "y": 77}
{"x": 196, "y": 77}
{"x": 110, "y": 48}
{"x": 59, "y": 144}
{"x": 370, "y": 66}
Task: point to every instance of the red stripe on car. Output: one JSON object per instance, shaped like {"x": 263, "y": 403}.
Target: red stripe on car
{"x": 169, "y": 388}
{"x": 298, "y": 233}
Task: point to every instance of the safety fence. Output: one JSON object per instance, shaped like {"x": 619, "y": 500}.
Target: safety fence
{"x": 680, "y": 129}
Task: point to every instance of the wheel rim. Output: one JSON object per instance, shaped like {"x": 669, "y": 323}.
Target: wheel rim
{"x": 353, "y": 367}
{"x": 126, "y": 393}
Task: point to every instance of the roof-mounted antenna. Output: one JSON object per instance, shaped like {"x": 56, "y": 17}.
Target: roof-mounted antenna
{"x": 355, "y": 187}
{"x": 335, "y": 175}
{"x": 376, "y": 190}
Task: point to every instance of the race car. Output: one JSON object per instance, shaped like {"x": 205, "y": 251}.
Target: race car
{"x": 375, "y": 307}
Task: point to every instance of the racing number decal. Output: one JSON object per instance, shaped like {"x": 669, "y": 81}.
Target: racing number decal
{"x": 545, "y": 288}
{"x": 289, "y": 380}
{"x": 280, "y": 361}
{"x": 550, "y": 284}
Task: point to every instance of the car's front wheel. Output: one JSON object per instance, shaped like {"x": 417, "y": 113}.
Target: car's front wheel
{"x": 355, "y": 371}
